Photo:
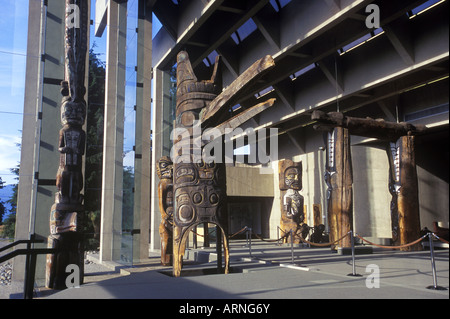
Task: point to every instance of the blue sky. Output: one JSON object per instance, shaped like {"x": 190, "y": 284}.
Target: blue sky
{"x": 13, "y": 43}
{"x": 13, "y": 40}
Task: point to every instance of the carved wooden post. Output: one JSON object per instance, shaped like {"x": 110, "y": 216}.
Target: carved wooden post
{"x": 66, "y": 214}
{"x": 393, "y": 151}
{"x": 199, "y": 187}
{"x": 408, "y": 195}
{"x": 339, "y": 179}
{"x": 292, "y": 214}
{"x": 403, "y": 176}
{"x": 165, "y": 193}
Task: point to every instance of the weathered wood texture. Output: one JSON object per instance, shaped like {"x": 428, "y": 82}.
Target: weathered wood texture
{"x": 408, "y": 196}
{"x": 66, "y": 215}
{"x": 292, "y": 208}
{"x": 340, "y": 180}
{"x": 165, "y": 198}
{"x": 231, "y": 94}
{"x": 393, "y": 151}
{"x": 403, "y": 183}
{"x": 199, "y": 187}
{"x": 244, "y": 116}
{"x": 368, "y": 127}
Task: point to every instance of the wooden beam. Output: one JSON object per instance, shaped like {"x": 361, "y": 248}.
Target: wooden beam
{"x": 245, "y": 116}
{"x": 230, "y": 95}
{"x": 368, "y": 127}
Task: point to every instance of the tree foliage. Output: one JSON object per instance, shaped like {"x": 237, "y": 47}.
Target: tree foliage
{"x": 94, "y": 147}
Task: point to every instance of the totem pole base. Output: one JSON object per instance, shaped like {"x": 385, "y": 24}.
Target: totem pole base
{"x": 179, "y": 249}
{"x": 71, "y": 252}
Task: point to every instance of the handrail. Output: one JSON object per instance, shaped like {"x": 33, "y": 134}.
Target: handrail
{"x": 30, "y": 264}
{"x": 21, "y": 241}
{"x": 33, "y": 251}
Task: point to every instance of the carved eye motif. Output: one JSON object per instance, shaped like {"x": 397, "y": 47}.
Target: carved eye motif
{"x": 185, "y": 213}
{"x": 197, "y": 198}
{"x": 214, "y": 198}
{"x": 201, "y": 164}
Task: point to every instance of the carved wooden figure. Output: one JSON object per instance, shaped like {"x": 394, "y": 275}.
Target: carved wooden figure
{"x": 200, "y": 186}
{"x": 66, "y": 216}
{"x": 165, "y": 193}
{"x": 339, "y": 178}
{"x": 403, "y": 175}
{"x": 292, "y": 214}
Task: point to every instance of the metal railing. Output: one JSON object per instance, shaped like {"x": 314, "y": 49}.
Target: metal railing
{"x": 30, "y": 261}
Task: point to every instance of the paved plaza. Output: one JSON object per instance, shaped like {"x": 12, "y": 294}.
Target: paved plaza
{"x": 269, "y": 274}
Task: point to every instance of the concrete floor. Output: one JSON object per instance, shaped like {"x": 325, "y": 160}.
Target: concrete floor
{"x": 269, "y": 274}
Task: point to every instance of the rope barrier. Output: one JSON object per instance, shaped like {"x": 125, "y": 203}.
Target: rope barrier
{"x": 323, "y": 244}
{"x": 393, "y": 247}
{"x": 238, "y": 232}
{"x": 271, "y": 240}
{"x": 439, "y": 238}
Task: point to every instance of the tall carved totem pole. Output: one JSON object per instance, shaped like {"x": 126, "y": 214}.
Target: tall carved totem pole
{"x": 164, "y": 170}
{"x": 66, "y": 214}
{"x": 199, "y": 185}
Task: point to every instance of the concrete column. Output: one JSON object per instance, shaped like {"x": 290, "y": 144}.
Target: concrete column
{"x": 112, "y": 180}
{"x": 157, "y": 149}
{"x": 31, "y": 124}
{"x": 142, "y": 171}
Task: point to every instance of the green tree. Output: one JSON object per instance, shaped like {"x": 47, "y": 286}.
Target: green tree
{"x": 94, "y": 147}
{"x": 2, "y": 211}
{"x": 2, "y": 206}
{"x": 9, "y": 224}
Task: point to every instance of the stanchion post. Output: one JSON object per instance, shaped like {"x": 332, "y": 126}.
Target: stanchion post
{"x": 278, "y": 235}
{"x": 352, "y": 240}
{"x": 433, "y": 265}
{"x": 292, "y": 246}
{"x": 249, "y": 234}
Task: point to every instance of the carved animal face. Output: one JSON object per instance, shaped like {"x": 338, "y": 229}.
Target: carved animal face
{"x": 292, "y": 178}
{"x": 72, "y": 112}
{"x": 164, "y": 168}
{"x": 290, "y": 174}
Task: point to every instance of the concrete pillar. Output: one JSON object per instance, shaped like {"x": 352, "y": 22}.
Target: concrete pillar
{"x": 31, "y": 125}
{"x": 157, "y": 152}
{"x": 143, "y": 160}
{"x": 112, "y": 180}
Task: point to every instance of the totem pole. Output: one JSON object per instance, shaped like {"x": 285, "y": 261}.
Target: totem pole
{"x": 199, "y": 185}
{"x": 403, "y": 175}
{"x": 339, "y": 179}
{"x": 393, "y": 152}
{"x": 164, "y": 170}
{"x": 292, "y": 214}
{"x": 66, "y": 214}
